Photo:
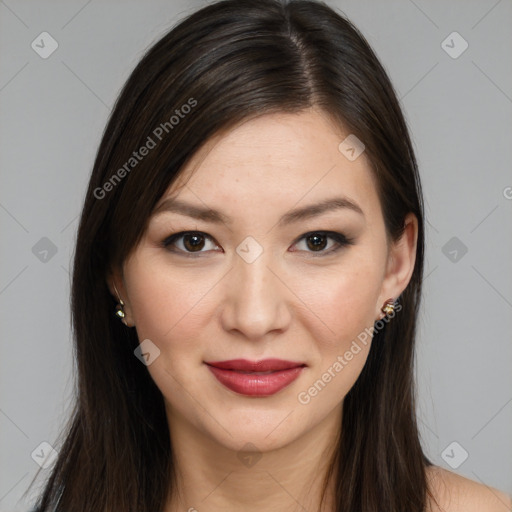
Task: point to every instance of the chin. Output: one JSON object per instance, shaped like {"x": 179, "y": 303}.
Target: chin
{"x": 255, "y": 438}
{"x": 264, "y": 427}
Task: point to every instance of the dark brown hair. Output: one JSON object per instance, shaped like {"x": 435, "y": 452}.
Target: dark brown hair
{"x": 231, "y": 61}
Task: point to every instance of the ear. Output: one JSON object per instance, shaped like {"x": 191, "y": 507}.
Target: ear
{"x": 400, "y": 264}
{"x": 117, "y": 288}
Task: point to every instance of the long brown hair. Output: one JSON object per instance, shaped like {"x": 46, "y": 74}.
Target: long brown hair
{"x": 228, "y": 62}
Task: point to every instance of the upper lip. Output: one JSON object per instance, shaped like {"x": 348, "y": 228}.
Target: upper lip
{"x": 265, "y": 365}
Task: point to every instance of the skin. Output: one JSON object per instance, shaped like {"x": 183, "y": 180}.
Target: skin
{"x": 291, "y": 303}
{"x": 455, "y": 493}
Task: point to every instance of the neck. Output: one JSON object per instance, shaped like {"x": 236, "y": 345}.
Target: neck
{"x": 210, "y": 476}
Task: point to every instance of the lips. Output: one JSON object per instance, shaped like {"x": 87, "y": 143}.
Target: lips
{"x": 256, "y": 378}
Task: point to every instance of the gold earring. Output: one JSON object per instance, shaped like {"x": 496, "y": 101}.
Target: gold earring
{"x": 389, "y": 307}
{"x": 120, "y": 307}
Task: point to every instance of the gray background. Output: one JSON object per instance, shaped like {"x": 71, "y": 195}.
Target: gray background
{"x": 460, "y": 115}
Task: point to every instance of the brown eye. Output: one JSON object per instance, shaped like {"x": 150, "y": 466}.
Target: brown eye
{"x": 193, "y": 242}
{"x": 189, "y": 242}
{"x": 318, "y": 241}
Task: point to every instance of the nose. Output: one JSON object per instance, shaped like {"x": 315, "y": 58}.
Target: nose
{"x": 256, "y": 300}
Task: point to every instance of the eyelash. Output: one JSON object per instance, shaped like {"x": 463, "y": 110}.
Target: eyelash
{"x": 339, "y": 238}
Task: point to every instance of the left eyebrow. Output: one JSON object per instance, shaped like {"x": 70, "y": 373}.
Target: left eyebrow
{"x": 299, "y": 214}
{"x": 313, "y": 210}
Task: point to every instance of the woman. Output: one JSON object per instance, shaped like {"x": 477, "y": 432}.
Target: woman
{"x": 247, "y": 279}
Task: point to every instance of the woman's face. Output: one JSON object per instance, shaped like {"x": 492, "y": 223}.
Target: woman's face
{"x": 246, "y": 283}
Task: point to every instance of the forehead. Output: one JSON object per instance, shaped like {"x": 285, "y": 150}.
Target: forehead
{"x": 275, "y": 162}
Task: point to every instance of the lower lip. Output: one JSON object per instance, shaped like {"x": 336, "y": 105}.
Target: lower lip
{"x": 251, "y": 384}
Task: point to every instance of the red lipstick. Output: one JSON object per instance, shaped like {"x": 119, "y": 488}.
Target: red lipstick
{"x": 255, "y": 378}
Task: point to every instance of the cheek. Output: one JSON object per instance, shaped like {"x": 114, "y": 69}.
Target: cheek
{"x": 168, "y": 304}
{"x": 172, "y": 307}
{"x": 342, "y": 302}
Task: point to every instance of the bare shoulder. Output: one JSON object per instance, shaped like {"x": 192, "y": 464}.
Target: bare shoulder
{"x": 455, "y": 493}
